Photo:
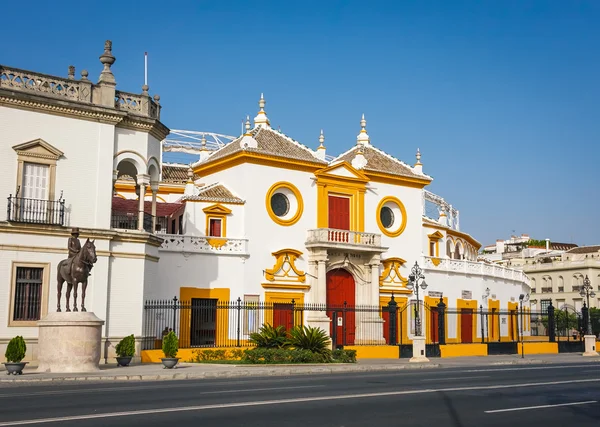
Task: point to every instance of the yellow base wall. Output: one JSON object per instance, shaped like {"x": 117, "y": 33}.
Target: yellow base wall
{"x": 539, "y": 348}
{"x": 458, "y": 350}
{"x": 375, "y": 351}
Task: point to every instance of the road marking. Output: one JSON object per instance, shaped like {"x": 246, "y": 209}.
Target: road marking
{"x": 454, "y": 378}
{"x": 526, "y": 408}
{"x": 109, "y": 389}
{"x": 532, "y": 368}
{"x": 280, "y": 402}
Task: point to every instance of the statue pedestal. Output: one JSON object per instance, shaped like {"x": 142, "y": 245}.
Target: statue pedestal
{"x": 69, "y": 342}
{"x": 590, "y": 346}
{"x": 419, "y": 350}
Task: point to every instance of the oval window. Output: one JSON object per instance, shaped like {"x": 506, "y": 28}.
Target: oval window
{"x": 280, "y": 205}
{"x": 386, "y": 216}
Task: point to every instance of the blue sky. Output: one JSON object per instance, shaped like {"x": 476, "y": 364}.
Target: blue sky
{"x": 502, "y": 97}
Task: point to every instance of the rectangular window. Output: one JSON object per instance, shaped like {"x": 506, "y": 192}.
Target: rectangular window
{"x": 431, "y": 248}
{"x": 28, "y": 294}
{"x": 214, "y": 229}
{"x": 251, "y": 314}
{"x": 35, "y": 181}
{"x": 544, "y": 305}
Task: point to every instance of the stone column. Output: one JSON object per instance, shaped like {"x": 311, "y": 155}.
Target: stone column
{"x": 370, "y": 330}
{"x": 318, "y": 265}
{"x": 154, "y": 188}
{"x": 142, "y": 180}
{"x": 322, "y": 281}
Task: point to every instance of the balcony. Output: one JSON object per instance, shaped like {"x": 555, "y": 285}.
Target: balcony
{"x": 344, "y": 239}
{"x": 35, "y": 211}
{"x": 202, "y": 244}
{"x": 129, "y": 221}
{"x": 474, "y": 268}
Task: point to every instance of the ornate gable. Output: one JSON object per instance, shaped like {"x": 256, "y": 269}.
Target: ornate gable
{"x": 38, "y": 148}
{"x": 391, "y": 278}
{"x": 285, "y": 272}
{"x": 342, "y": 170}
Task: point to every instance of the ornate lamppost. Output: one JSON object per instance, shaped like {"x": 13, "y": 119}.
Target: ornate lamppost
{"x": 587, "y": 291}
{"x": 416, "y": 280}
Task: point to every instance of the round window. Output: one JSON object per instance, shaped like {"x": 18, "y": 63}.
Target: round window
{"x": 386, "y": 216}
{"x": 280, "y": 205}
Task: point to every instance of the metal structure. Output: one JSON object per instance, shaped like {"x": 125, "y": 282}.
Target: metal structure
{"x": 191, "y": 142}
{"x": 416, "y": 275}
{"x": 433, "y": 204}
{"x": 587, "y": 291}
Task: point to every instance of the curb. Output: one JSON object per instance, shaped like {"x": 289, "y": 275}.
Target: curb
{"x": 225, "y": 374}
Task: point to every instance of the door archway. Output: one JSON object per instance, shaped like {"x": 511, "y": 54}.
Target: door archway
{"x": 341, "y": 289}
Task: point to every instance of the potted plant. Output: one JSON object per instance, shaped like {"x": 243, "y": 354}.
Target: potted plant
{"x": 125, "y": 350}
{"x": 170, "y": 347}
{"x": 15, "y": 352}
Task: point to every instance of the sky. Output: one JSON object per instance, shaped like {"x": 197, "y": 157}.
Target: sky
{"x": 501, "y": 97}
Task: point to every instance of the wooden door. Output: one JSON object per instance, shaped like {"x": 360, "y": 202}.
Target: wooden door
{"x": 282, "y": 315}
{"x": 339, "y": 213}
{"x": 434, "y": 325}
{"x": 466, "y": 325}
{"x": 340, "y": 289}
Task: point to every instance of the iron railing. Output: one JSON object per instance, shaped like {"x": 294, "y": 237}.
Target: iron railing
{"x": 129, "y": 221}
{"x": 35, "y": 211}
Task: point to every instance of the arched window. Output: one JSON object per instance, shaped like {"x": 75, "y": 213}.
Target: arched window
{"x": 448, "y": 248}
{"x": 561, "y": 284}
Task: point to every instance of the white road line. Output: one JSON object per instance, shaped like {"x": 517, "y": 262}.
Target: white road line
{"x": 111, "y": 389}
{"x": 526, "y": 408}
{"x": 454, "y": 378}
{"x": 280, "y": 402}
{"x": 533, "y": 368}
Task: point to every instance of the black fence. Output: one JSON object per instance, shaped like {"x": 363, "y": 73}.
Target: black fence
{"x": 35, "y": 211}
{"x": 129, "y": 221}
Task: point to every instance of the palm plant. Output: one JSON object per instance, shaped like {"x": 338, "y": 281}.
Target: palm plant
{"x": 270, "y": 337}
{"x": 309, "y": 338}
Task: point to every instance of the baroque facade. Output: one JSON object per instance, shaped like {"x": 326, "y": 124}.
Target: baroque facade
{"x": 261, "y": 219}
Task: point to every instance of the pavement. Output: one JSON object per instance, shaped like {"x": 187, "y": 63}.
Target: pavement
{"x": 554, "y": 393}
{"x": 190, "y": 371}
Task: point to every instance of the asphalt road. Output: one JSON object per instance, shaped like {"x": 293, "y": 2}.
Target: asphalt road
{"x": 490, "y": 396}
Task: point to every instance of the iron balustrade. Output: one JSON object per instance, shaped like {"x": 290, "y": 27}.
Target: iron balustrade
{"x": 129, "y": 221}
{"x": 35, "y": 211}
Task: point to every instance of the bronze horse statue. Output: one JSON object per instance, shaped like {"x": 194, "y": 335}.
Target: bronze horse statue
{"x": 76, "y": 270}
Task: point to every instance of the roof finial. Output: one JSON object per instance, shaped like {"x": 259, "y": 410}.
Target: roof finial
{"x": 418, "y": 157}
{"x": 247, "y": 126}
{"x": 321, "y": 139}
{"x": 190, "y": 174}
{"x": 363, "y": 137}
{"x": 107, "y": 59}
{"x": 203, "y": 143}
{"x": 261, "y": 118}
{"x": 418, "y": 166}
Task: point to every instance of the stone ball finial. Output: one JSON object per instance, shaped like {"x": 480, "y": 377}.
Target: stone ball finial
{"x": 71, "y": 72}
{"x": 84, "y": 74}
{"x": 157, "y": 99}
{"x": 107, "y": 57}
{"x": 145, "y": 89}
{"x": 108, "y": 45}
{"x": 190, "y": 173}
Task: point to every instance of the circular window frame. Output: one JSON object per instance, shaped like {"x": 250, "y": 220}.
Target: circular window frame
{"x": 392, "y": 216}
{"x": 400, "y": 229}
{"x": 300, "y": 203}
{"x": 287, "y": 203}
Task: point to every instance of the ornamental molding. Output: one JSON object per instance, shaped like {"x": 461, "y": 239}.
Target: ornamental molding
{"x": 285, "y": 269}
{"x": 391, "y": 275}
{"x": 151, "y": 126}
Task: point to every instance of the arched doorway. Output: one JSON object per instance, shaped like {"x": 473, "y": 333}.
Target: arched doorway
{"x": 340, "y": 290}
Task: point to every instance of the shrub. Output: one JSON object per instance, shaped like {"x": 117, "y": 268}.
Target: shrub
{"x": 126, "y": 347}
{"x": 270, "y": 337}
{"x": 15, "y": 350}
{"x": 344, "y": 356}
{"x": 310, "y": 338}
{"x": 170, "y": 345}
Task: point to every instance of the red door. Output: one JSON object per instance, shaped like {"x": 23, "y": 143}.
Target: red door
{"x": 434, "y": 325}
{"x": 340, "y": 289}
{"x": 339, "y": 218}
{"x": 282, "y": 316}
{"x": 466, "y": 325}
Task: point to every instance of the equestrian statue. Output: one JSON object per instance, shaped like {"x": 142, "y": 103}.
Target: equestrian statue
{"x": 76, "y": 269}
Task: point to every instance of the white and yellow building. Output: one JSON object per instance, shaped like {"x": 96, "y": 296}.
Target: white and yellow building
{"x": 263, "y": 218}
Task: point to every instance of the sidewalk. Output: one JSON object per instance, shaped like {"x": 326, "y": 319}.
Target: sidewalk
{"x": 154, "y": 372}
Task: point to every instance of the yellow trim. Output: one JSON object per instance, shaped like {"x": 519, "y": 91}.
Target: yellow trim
{"x": 298, "y": 287}
{"x": 433, "y": 302}
{"x": 129, "y": 187}
{"x": 45, "y": 289}
{"x": 513, "y": 327}
{"x": 493, "y": 327}
{"x": 391, "y": 271}
{"x": 282, "y": 256}
{"x": 538, "y": 348}
{"x": 458, "y": 350}
{"x": 435, "y": 237}
{"x": 300, "y": 209}
{"x": 220, "y": 213}
{"x": 384, "y": 300}
{"x": 470, "y": 304}
{"x": 186, "y": 294}
{"x": 375, "y": 351}
{"x": 335, "y": 185}
{"x": 454, "y": 233}
{"x": 283, "y": 297}
{"x": 400, "y": 205}
{"x": 403, "y": 181}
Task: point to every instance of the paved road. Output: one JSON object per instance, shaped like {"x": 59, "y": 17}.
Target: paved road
{"x": 490, "y": 396}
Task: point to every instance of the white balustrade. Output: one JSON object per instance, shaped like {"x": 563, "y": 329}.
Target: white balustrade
{"x": 474, "y": 268}
{"x": 202, "y": 244}
{"x": 336, "y": 237}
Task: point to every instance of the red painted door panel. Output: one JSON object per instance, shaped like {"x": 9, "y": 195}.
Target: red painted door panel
{"x": 282, "y": 316}
{"x": 339, "y": 213}
{"x": 466, "y": 325}
{"x": 434, "y": 325}
{"x": 340, "y": 289}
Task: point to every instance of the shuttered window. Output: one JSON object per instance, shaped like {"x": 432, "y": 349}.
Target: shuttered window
{"x": 28, "y": 294}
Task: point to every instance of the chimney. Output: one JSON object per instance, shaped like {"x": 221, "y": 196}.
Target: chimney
{"x": 547, "y": 244}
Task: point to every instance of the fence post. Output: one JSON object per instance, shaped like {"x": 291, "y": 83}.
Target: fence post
{"x": 334, "y": 331}
{"x": 392, "y": 311}
{"x": 293, "y": 313}
{"x": 8, "y": 216}
{"x": 481, "y": 317}
{"x": 174, "y": 313}
{"x": 551, "y": 325}
{"x": 441, "y": 322}
{"x": 344, "y": 343}
{"x": 239, "y": 312}
{"x": 584, "y": 318}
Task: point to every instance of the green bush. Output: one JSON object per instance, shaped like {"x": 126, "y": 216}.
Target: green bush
{"x": 170, "y": 345}
{"x": 15, "y": 350}
{"x": 310, "y": 338}
{"x": 294, "y": 355}
{"x": 344, "y": 356}
{"x": 270, "y": 337}
{"x": 126, "y": 347}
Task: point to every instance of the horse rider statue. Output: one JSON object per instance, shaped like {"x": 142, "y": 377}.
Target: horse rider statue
{"x": 74, "y": 246}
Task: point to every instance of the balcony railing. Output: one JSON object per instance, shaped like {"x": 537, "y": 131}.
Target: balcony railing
{"x": 129, "y": 221}
{"x": 342, "y": 238}
{"x": 474, "y": 268}
{"x": 35, "y": 211}
{"x": 202, "y": 244}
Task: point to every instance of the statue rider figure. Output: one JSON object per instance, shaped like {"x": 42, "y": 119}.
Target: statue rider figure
{"x": 74, "y": 247}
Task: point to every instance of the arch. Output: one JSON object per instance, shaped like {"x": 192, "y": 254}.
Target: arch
{"x": 532, "y": 284}
{"x": 458, "y": 250}
{"x": 561, "y": 284}
{"x": 341, "y": 295}
{"x": 153, "y": 169}
{"x": 449, "y": 247}
{"x": 125, "y": 160}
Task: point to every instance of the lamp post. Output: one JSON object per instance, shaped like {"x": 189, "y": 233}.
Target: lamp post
{"x": 416, "y": 280}
{"x": 587, "y": 291}
{"x": 522, "y": 298}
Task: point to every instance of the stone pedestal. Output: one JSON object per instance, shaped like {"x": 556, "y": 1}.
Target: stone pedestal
{"x": 69, "y": 342}
{"x": 590, "y": 346}
{"x": 419, "y": 350}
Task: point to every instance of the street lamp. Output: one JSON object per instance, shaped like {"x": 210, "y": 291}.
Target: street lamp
{"x": 523, "y": 298}
{"x": 587, "y": 291}
{"x": 416, "y": 279}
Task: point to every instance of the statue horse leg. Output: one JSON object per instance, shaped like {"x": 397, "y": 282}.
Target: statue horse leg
{"x": 75, "y": 295}
{"x": 61, "y": 281}
{"x": 69, "y": 287}
{"x": 83, "y": 288}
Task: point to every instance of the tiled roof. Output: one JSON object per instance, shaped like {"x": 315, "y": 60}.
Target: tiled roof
{"x": 379, "y": 161}
{"x": 584, "y": 250}
{"x": 562, "y": 246}
{"x": 172, "y": 174}
{"x": 124, "y": 206}
{"x": 216, "y": 192}
{"x": 269, "y": 142}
